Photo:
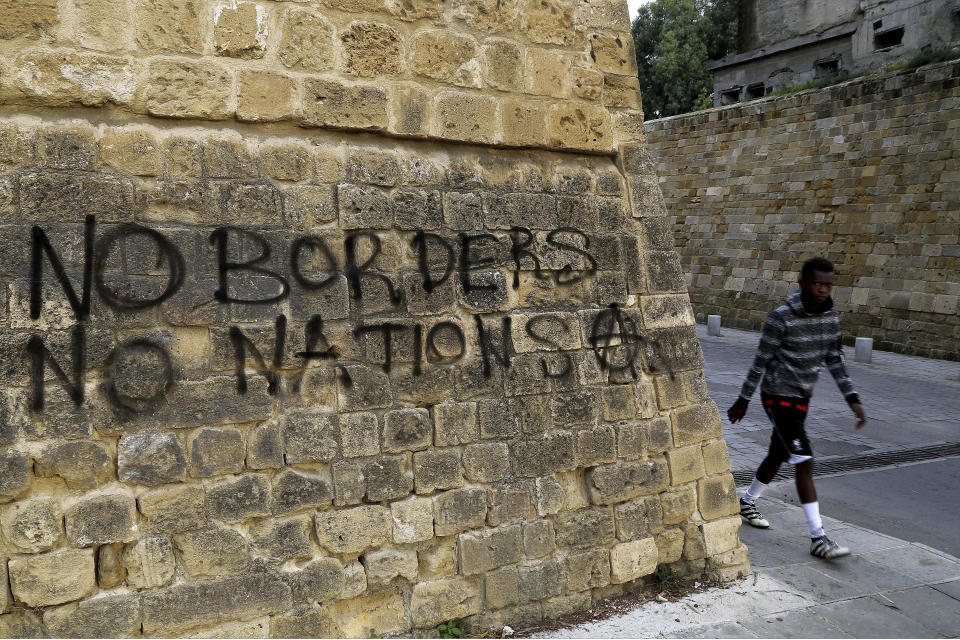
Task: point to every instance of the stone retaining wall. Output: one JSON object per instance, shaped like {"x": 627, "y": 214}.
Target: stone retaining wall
{"x": 296, "y": 343}
{"x": 864, "y": 173}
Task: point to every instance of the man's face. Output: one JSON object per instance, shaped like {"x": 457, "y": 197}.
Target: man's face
{"x": 818, "y": 287}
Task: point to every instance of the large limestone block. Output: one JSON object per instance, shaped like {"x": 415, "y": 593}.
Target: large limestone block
{"x": 631, "y": 560}
{"x": 34, "y": 525}
{"x": 182, "y": 88}
{"x": 718, "y": 496}
{"x": 443, "y": 600}
{"x": 27, "y": 19}
{"x": 53, "y": 578}
{"x": 353, "y": 530}
{"x": 580, "y": 127}
{"x": 116, "y": 616}
{"x": 720, "y": 536}
{"x": 383, "y": 612}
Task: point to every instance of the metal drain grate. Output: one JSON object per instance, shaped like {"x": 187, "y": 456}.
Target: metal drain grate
{"x": 861, "y": 462}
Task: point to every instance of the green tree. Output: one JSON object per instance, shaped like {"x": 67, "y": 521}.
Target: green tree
{"x": 674, "y": 40}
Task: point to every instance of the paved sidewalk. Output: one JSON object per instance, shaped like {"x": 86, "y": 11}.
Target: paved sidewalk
{"x": 888, "y": 588}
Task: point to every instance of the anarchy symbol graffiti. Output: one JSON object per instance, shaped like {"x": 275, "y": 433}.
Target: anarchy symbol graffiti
{"x": 616, "y": 341}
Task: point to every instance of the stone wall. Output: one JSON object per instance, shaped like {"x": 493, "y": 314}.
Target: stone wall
{"x": 297, "y": 340}
{"x": 864, "y": 173}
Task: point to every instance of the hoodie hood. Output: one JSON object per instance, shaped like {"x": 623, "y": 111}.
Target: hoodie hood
{"x": 796, "y": 302}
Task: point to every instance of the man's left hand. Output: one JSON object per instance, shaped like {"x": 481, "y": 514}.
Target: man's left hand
{"x": 860, "y": 413}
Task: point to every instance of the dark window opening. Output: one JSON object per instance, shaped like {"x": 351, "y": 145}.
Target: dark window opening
{"x": 755, "y": 91}
{"x": 878, "y": 25}
{"x": 827, "y": 66}
{"x": 888, "y": 39}
{"x": 730, "y": 96}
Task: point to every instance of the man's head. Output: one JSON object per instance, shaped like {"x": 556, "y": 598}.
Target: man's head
{"x": 816, "y": 280}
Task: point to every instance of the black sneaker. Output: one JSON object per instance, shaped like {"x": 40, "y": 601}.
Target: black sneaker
{"x": 824, "y": 547}
{"x": 752, "y": 515}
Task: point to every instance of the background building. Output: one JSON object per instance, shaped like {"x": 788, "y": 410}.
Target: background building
{"x": 788, "y": 43}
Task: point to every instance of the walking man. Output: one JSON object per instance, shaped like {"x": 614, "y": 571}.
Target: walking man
{"x": 798, "y": 338}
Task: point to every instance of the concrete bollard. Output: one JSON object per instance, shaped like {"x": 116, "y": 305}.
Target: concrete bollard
{"x": 713, "y": 325}
{"x": 863, "y": 351}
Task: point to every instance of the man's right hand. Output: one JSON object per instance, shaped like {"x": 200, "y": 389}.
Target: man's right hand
{"x": 736, "y": 412}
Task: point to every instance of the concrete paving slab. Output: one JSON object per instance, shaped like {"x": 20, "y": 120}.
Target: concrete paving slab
{"x": 918, "y": 563}
{"x": 862, "y": 540}
{"x": 951, "y": 588}
{"x": 802, "y": 623}
{"x": 716, "y": 630}
{"x": 803, "y": 578}
{"x": 868, "y": 618}
{"x": 863, "y": 575}
{"x": 929, "y": 607}
{"x": 763, "y": 557}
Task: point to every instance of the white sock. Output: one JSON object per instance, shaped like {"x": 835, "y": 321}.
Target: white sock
{"x": 755, "y": 491}
{"x": 812, "y": 511}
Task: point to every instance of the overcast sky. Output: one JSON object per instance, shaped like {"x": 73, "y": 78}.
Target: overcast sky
{"x": 634, "y": 5}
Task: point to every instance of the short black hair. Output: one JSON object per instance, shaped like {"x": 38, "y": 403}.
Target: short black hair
{"x": 815, "y": 264}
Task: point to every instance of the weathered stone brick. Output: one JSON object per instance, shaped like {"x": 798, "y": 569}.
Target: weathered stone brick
{"x": 638, "y": 519}
{"x": 321, "y": 580}
{"x": 447, "y": 57}
{"x": 35, "y": 525}
{"x": 686, "y": 464}
{"x": 110, "y": 569}
{"x": 669, "y": 545}
{"x": 631, "y": 560}
{"x": 447, "y": 599}
{"x": 717, "y": 497}
{"x": 502, "y": 587}
{"x": 456, "y": 423}
{"x": 236, "y": 499}
{"x": 485, "y": 550}
{"x": 407, "y": 430}
{"x": 240, "y": 31}
{"x": 214, "y": 452}
{"x": 332, "y": 104}
{"x": 355, "y": 580}
{"x": 677, "y": 505}
{"x": 384, "y": 565}
{"x": 503, "y": 64}
{"x": 548, "y": 495}
{"x": 438, "y": 558}
{"x": 364, "y": 207}
{"x": 265, "y": 96}
{"x": 486, "y": 462}
{"x": 349, "y": 485}
{"x": 496, "y": 420}
{"x": 509, "y": 501}
{"x": 212, "y": 551}
{"x": 14, "y": 474}
{"x": 620, "y": 481}
{"x": 28, "y": 19}
{"x": 553, "y": 451}
{"x": 588, "y": 570}
{"x": 524, "y": 122}
{"x": 116, "y": 616}
{"x": 175, "y": 508}
{"x": 548, "y": 21}
{"x": 307, "y": 42}
{"x": 149, "y": 562}
{"x": 539, "y": 538}
{"x": 310, "y": 437}
{"x": 265, "y": 446}
{"x": 412, "y": 520}
{"x": 296, "y": 490}
{"x": 101, "y": 519}
{"x": 354, "y": 530}
{"x": 369, "y": 388}
{"x": 388, "y": 478}
{"x": 458, "y": 510}
{"x": 720, "y": 535}
{"x": 541, "y": 579}
{"x": 580, "y": 127}
{"x": 596, "y": 445}
{"x": 371, "y": 49}
{"x": 151, "y": 459}
{"x": 716, "y": 458}
{"x": 283, "y": 540}
{"x": 464, "y": 117}
{"x": 52, "y": 578}
{"x": 188, "y": 89}
{"x": 178, "y": 608}
{"x": 437, "y": 469}
{"x": 585, "y": 528}
{"x": 383, "y": 612}
{"x": 169, "y": 26}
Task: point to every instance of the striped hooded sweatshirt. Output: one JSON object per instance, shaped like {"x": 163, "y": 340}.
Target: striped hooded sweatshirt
{"x": 793, "y": 347}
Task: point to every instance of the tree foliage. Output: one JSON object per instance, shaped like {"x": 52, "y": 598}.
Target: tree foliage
{"x": 674, "y": 40}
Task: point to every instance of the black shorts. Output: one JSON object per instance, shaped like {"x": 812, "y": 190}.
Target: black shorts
{"x": 789, "y": 442}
